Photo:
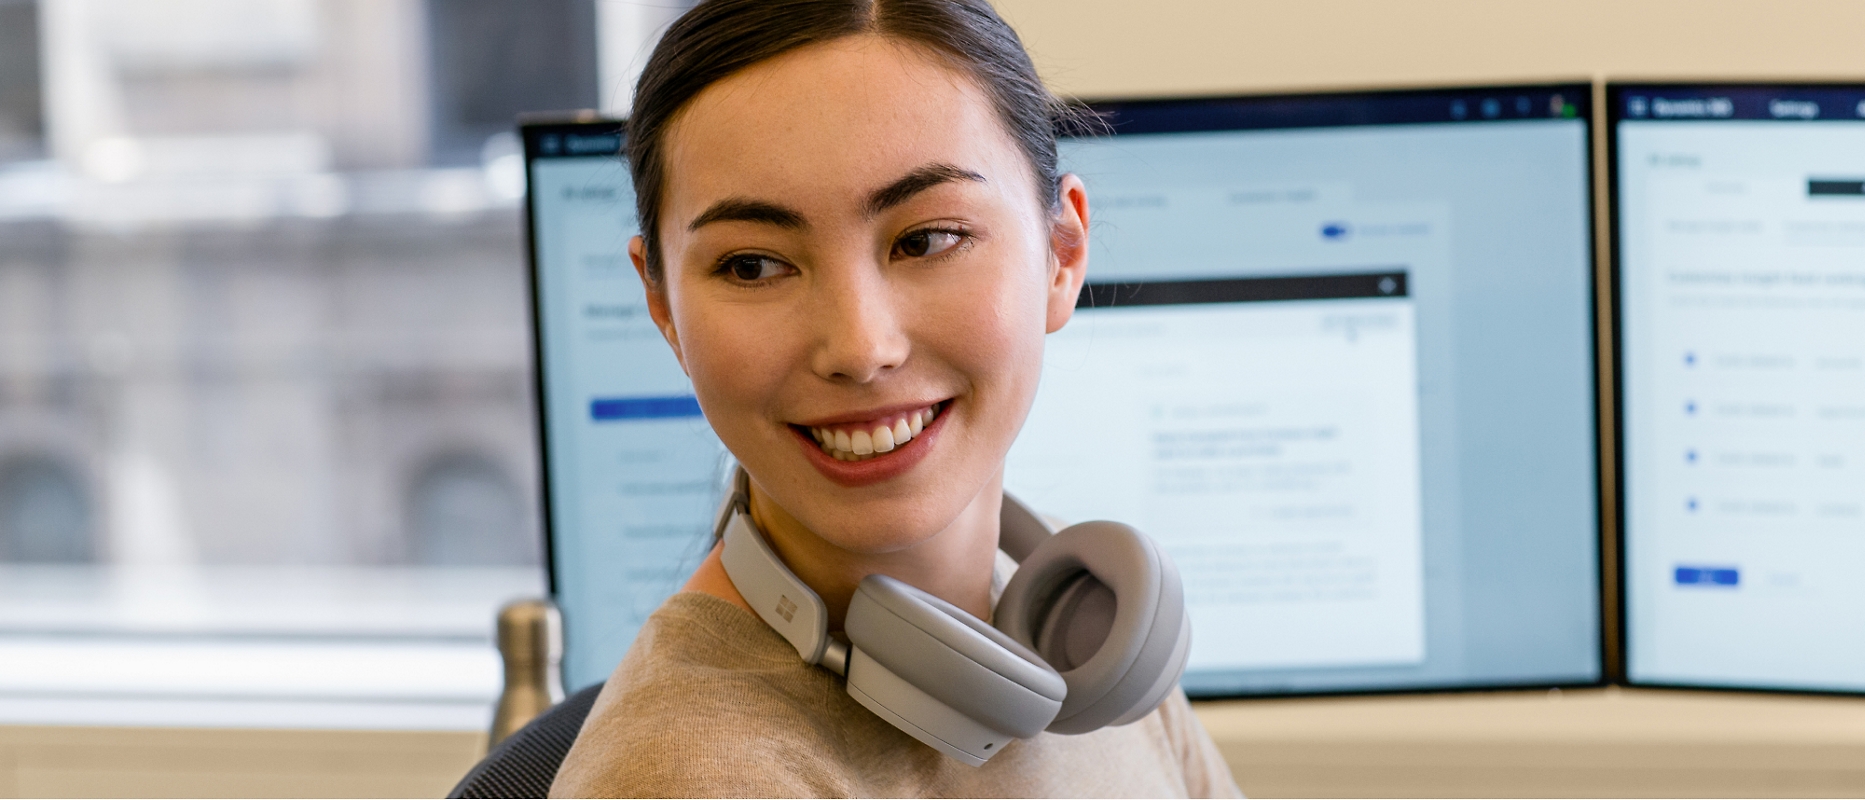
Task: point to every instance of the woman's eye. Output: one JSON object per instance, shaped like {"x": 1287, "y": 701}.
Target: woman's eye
{"x": 751, "y": 269}
{"x": 920, "y": 244}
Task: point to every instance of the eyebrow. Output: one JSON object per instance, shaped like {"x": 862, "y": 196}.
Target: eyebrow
{"x": 739, "y": 209}
{"x": 743, "y": 209}
{"x": 915, "y": 182}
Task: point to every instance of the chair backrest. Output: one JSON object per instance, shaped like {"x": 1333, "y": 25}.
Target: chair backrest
{"x": 526, "y": 762}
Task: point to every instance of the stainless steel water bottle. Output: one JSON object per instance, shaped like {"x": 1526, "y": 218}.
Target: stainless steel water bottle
{"x": 531, "y": 644}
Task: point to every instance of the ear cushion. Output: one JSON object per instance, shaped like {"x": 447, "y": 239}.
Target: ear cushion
{"x": 1103, "y": 605}
{"x": 954, "y": 657}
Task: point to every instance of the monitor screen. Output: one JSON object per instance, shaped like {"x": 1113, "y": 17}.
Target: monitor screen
{"x": 1740, "y": 236}
{"x": 1336, "y": 355}
{"x": 632, "y": 472}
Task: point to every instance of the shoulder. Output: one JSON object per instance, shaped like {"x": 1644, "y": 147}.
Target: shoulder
{"x": 708, "y": 702}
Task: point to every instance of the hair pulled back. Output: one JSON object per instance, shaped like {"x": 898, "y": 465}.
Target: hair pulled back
{"x": 718, "y": 38}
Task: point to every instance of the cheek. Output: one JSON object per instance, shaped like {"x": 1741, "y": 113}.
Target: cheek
{"x": 734, "y": 360}
{"x": 994, "y": 331}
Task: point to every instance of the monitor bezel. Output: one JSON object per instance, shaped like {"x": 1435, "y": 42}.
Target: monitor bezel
{"x": 1118, "y": 108}
{"x": 531, "y": 129}
{"x": 1423, "y": 107}
{"x": 1610, "y": 115}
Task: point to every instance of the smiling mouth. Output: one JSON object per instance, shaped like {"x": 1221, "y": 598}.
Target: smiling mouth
{"x": 862, "y": 441}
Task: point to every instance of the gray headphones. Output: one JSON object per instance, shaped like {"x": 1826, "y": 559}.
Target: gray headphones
{"x": 1091, "y": 632}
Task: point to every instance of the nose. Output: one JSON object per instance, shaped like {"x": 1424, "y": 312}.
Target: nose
{"x": 859, "y": 333}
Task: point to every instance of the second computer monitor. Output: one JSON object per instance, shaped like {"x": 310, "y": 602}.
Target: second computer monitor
{"x": 1741, "y": 276}
{"x": 1336, "y": 354}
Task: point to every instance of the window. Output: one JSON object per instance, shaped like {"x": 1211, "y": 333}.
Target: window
{"x": 463, "y": 510}
{"x": 267, "y": 449}
{"x": 45, "y": 513}
{"x": 22, "y": 127}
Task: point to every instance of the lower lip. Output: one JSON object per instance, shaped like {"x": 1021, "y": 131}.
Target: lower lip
{"x": 870, "y": 471}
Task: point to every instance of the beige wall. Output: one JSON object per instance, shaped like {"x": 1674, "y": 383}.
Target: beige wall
{"x": 1103, "y": 48}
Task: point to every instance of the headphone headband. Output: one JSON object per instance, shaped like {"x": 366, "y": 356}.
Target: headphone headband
{"x": 779, "y": 597}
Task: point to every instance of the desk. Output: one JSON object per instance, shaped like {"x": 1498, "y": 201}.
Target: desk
{"x": 60, "y": 761}
{"x": 1584, "y": 743}
{"x": 1624, "y": 743}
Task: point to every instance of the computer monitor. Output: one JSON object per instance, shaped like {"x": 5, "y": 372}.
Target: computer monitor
{"x": 632, "y": 472}
{"x": 1336, "y": 355}
{"x": 1739, "y": 216}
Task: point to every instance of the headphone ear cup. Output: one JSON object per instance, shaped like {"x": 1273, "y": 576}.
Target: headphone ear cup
{"x": 1103, "y": 605}
{"x": 954, "y": 681}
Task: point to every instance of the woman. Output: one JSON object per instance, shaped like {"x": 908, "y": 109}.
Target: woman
{"x": 854, "y": 240}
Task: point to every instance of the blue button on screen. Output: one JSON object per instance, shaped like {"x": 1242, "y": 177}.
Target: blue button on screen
{"x": 1707, "y": 576}
{"x": 604, "y": 409}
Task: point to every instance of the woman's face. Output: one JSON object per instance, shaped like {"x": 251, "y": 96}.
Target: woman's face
{"x": 858, "y": 275}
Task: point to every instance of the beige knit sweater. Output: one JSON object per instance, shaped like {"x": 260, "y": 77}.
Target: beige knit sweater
{"x": 710, "y": 702}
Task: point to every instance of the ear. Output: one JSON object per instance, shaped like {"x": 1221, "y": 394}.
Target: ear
{"x": 658, "y": 308}
{"x": 1068, "y": 249}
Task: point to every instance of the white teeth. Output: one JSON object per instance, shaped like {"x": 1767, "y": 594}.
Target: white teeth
{"x": 884, "y": 437}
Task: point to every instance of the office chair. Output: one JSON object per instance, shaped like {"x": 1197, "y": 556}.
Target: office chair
{"x": 525, "y": 763}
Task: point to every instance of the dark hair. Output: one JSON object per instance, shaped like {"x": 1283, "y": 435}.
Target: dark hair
{"x": 720, "y": 37}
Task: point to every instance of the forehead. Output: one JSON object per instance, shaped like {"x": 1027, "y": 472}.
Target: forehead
{"x": 833, "y": 120}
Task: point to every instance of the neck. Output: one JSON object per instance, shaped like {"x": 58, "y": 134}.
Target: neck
{"x": 954, "y": 564}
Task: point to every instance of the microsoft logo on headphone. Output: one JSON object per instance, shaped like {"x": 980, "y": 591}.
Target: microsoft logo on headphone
{"x": 786, "y": 607}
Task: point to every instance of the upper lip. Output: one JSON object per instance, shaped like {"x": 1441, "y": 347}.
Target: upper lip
{"x": 867, "y": 415}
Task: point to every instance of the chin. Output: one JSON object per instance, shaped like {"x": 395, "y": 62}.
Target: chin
{"x": 886, "y": 517}
{"x": 888, "y": 524}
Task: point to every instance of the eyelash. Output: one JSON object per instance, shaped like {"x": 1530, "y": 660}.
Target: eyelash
{"x": 725, "y": 264}
{"x": 964, "y": 242}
